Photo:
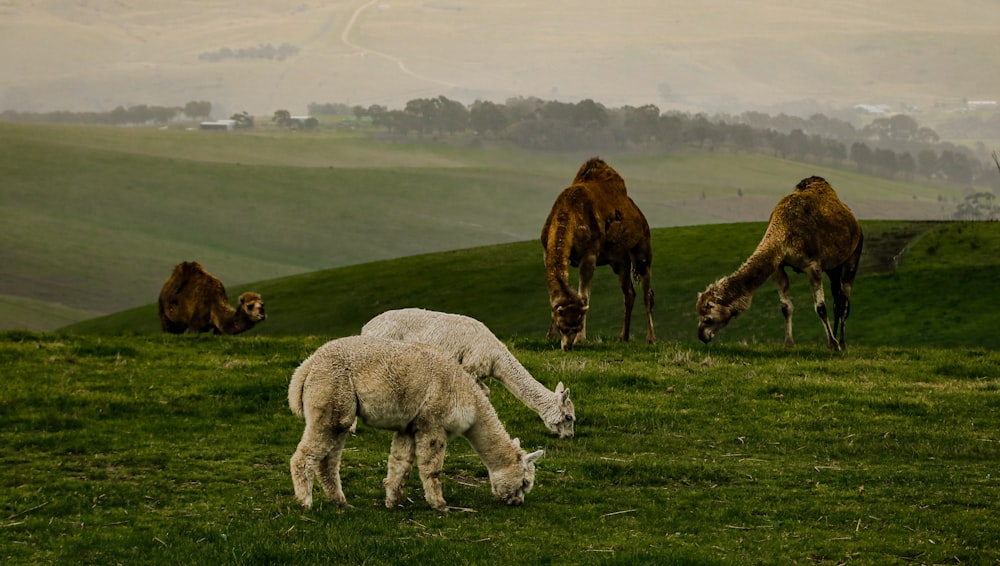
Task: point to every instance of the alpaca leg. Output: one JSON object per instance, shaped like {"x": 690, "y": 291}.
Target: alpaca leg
{"x": 587, "y": 267}
{"x": 401, "y": 456}
{"x": 329, "y": 471}
{"x": 785, "y": 298}
{"x": 628, "y": 292}
{"x": 819, "y": 305}
{"x": 430, "y": 451}
{"x": 314, "y": 447}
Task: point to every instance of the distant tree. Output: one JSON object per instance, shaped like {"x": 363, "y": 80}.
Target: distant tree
{"x": 196, "y": 109}
{"x": 641, "y": 123}
{"x": 452, "y": 117}
{"x": 978, "y": 206}
{"x": 486, "y": 116}
{"x": 862, "y": 156}
{"x": 244, "y": 121}
{"x": 283, "y": 118}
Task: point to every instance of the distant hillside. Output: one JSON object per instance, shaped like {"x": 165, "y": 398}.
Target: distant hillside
{"x": 262, "y": 55}
{"x": 920, "y": 284}
{"x": 95, "y": 218}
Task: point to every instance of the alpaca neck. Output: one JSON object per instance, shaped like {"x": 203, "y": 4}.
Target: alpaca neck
{"x": 490, "y": 440}
{"x": 508, "y": 371}
{"x": 754, "y": 272}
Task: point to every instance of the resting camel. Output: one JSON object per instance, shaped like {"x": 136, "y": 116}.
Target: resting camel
{"x": 812, "y": 232}
{"x": 594, "y": 222}
{"x": 194, "y": 300}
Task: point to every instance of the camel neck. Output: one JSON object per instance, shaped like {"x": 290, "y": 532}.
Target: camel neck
{"x": 557, "y": 255}
{"x": 754, "y": 272}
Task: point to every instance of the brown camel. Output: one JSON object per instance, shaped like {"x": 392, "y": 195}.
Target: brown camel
{"x": 594, "y": 222}
{"x": 193, "y": 300}
{"x": 812, "y": 232}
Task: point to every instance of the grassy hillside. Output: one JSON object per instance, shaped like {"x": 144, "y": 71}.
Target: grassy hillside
{"x": 95, "y": 218}
{"x": 919, "y": 284}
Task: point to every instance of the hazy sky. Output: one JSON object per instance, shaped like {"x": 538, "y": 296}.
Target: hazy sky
{"x": 262, "y": 55}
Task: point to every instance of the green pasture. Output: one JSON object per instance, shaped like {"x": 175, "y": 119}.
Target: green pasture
{"x": 926, "y": 284}
{"x": 121, "y": 445}
{"x": 159, "y": 449}
{"x": 94, "y": 218}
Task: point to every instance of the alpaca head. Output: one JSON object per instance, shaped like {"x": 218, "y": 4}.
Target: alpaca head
{"x": 510, "y": 485}
{"x": 715, "y": 311}
{"x": 569, "y": 318}
{"x": 561, "y": 419}
{"x": 252, "y": 307}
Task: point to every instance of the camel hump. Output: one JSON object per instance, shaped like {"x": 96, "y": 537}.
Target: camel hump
{"x": 596, "y": 170}
{"x": 813, "y": 183}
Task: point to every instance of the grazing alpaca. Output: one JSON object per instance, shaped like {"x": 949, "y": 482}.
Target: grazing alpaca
{"x": 471, "y": 344}
{"x": 413, "y": 390}
{"x": 193, "y": 300}
{"x": 812, "y": 232}
{"x": 592, "y": 223}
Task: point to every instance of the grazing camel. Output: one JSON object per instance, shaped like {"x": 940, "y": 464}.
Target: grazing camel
{"x": 594, "y": 222}
{"x": 812, "y": 232}
{"x": 193, "y": 300}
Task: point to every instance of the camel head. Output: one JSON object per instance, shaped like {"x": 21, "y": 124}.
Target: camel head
{"x": 715, "y": 312}
{"x": 511, "y": 484}
{"x": 252, "y": 307}
{"x": 569, "y": 319}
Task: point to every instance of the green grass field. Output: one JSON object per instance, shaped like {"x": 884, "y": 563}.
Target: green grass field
{"x": 95, "y": 218}
{"x": 174, "y": 450}
{"x": 122, "y": 445}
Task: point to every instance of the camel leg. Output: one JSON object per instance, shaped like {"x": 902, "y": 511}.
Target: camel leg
{"x": 587, "y": 267}
{"x": 785, "y": 298}
{"x": 647, "y": 300}
{"x": 819, "y": 305}
{"x": 841, "y": 284}
{"x": 401, "y": 457}
{"x": 840, "y": 304}
{"x": 430, "y": 449}
{"x": 624, "y": 273}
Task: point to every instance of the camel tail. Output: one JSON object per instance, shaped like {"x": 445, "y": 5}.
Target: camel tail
{"x": 296, "y": 386}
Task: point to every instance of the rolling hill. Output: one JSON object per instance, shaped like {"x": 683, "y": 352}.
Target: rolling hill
{"x": 920, "y": 284}
{"x": 95, "y": 218}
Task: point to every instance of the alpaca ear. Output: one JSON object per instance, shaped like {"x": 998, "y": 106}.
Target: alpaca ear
{"x": 517, "y": 442}
{"x": 562, "y": 392}
{"x": 529, "y": 458}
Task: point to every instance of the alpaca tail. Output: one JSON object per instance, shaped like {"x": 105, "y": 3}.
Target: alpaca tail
{"x": 296, "y": 386}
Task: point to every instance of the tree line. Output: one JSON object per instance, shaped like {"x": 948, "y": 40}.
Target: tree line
{"x": 889, "y": 147}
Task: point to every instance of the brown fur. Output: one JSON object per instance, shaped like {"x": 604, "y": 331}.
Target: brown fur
{"x": 812, "y": 232}
{"x": 594, "y": 222}
{"x": 193, "y": 300}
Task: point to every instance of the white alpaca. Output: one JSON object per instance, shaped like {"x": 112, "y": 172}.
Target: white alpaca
{"x": 471, "y": 344}
{"x": 412, "y": 389}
